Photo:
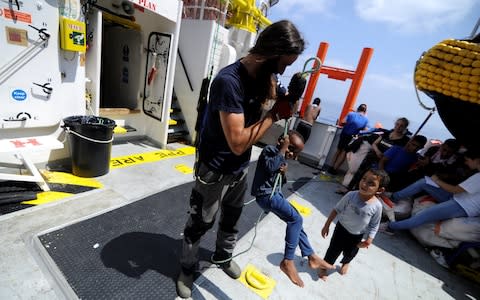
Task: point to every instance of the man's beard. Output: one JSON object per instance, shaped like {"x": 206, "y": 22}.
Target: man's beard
{"x": 265, "y": 81}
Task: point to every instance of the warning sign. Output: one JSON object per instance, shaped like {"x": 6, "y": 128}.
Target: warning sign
{"x": 17, "y": 16}
{"x": 130, "y": 160}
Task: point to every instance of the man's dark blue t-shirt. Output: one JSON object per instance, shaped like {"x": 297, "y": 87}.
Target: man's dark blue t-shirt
{"x": 232, "y": 91}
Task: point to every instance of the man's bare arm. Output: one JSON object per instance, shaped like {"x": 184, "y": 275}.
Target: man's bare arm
{"x": 239, "y": 138}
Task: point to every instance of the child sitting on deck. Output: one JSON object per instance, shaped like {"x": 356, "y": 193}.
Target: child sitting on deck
{"x": 359, "y": 213}
{"x": 272, "y": 161}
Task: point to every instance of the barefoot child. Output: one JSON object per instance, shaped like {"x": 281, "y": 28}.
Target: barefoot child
{"x": 359, "y": 213}
{"x": 271, "y": 162}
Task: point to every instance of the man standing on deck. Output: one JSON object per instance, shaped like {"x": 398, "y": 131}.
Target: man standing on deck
{"x": 232, "y": 124}
{"x": 354, "y": 123}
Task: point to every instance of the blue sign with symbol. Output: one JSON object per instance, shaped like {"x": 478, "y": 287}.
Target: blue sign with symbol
{"x": 19, "y": 95}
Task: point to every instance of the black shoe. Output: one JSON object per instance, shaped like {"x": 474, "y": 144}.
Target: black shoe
{"x": 227, "y": 264}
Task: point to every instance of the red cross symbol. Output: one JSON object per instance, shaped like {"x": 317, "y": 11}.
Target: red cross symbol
{"x": 21, "y": 144}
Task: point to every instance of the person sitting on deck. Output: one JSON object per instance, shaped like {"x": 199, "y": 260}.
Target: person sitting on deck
{"x": 455, "y": 201}
{"x": 272, "y": 161}
{"x": 396, "y": 136}
{"x": 359, "y": 214}
{"x": 437, "y": 159}
{"x": 397, "y": 160}
{"x": 304, "y": 125}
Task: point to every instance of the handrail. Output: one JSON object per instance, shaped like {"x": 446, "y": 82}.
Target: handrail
{"x": 247, "y": 7}
{"x": 15, "y": 60}
{"x": 42, "y": 39}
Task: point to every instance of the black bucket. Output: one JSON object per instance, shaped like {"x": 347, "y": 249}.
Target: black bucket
{"x": 90, "y": 141}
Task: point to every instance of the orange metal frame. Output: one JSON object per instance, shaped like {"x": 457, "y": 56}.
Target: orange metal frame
{"x": 338, "y": 74}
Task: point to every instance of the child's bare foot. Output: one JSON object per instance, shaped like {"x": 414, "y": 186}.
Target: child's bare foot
{"x": 315, "y": 262}
{"x": 344, "y": 269}
{"x": 322, "y": 274}
{"x": 288, "y": 267}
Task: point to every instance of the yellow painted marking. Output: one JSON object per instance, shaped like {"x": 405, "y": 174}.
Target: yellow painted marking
{"x": 183, "y": 168}
{"x": 119, "y": 130}
{"x": 172, "y": 122}
{"x": 258, "y": 282}
{"x": 67, "y": 178}
{"x": 303, "y": 210}
{"x": 326, "y": 177}
{"x": 47, "y": 197}
{"x": 134, "y": 159}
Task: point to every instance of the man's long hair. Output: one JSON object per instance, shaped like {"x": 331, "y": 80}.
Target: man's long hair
{"x": 280, "y": 38}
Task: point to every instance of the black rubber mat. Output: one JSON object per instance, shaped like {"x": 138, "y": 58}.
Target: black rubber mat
{"x": 14, "y": 192}
{"x": 132, "y": 252}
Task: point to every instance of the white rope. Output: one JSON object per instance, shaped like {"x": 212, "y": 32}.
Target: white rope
{"x": 68, "y": 130}
{"x": 415, "y": 86}
{"x": 217, "y": 262}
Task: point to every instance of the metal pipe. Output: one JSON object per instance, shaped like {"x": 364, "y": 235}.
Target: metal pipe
{"x": 432, "y": 111}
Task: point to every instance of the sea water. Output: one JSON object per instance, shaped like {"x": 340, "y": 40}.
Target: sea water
{"x": 433, "y": 129}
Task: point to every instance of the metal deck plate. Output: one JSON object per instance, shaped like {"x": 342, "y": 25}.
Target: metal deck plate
{"x": 132, "y": 252}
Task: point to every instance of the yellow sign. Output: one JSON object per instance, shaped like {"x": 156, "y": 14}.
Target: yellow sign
{"x": 72, "y": 35}
{"x": 134, "y": 159}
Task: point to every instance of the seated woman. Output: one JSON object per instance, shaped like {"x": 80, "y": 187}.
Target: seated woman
{"x": 304, "y": 125}
{"x": 439, "y": 159}
{"x": 396, "y": 136}
{"x": 455, "y": 201}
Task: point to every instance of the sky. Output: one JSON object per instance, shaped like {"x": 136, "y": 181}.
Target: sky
{"x": 399, "y": 31}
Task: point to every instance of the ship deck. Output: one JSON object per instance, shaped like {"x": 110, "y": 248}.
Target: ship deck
{"x": 122, "y": 241}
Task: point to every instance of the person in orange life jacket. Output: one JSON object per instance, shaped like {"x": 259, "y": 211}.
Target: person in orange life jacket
{"x": 232, "y": 123}
{"x": 354, "y": 123}
{"x": 271, "y": 162}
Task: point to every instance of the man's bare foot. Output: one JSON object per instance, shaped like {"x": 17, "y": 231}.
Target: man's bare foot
{"x": 288, "y": 267}
{"x": 315, "y": 262}
{"x": 322, "y": 274}
{"x": 344, "y": 269}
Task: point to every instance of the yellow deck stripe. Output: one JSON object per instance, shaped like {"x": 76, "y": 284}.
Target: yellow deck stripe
{"x": 46, "y": 197}
{"x": 183, "y": 168}
{"x": 67, "y": 178}
{"x": 134, "y": 159}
